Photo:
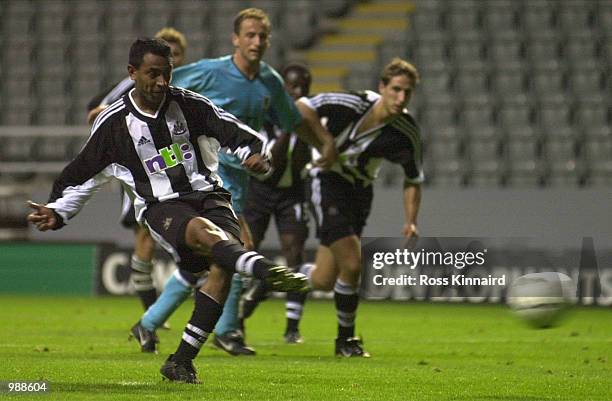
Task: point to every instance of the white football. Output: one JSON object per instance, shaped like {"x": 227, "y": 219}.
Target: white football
{"x": 540, "y": 299}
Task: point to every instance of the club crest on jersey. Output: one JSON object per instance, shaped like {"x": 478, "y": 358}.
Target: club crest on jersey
{"x": 179, "y": 128}
{"x": 169, "y": 157}
{"x": 266, "y": 102}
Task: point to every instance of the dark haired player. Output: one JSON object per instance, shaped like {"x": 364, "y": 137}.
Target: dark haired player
{"x": 148, "y": 140}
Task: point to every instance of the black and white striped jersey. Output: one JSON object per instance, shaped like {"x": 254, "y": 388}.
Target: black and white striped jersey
{"x": 360, "y": 155}
{"x": 290, "y": 156}
{"x": 156, "y": 157}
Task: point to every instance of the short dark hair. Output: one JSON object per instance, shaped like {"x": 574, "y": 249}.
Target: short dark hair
{"x": 142, "y": 46}
{"x": 299, "y": 69}
{"x": 396, "y": 67}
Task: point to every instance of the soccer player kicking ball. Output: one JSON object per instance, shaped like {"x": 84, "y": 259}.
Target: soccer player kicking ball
{"x": 368, "y": 127}
{"x": 148, "y": 140}
{"x": 243, "y": 84}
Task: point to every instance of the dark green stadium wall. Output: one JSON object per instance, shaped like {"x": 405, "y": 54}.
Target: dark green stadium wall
{"x": 49, "y": 269}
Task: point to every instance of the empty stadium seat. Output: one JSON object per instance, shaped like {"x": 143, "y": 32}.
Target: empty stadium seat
{"x": 431, "y": 49}
{"x": 425, "y": 21}
{"x": 477, "y": 112}
{"x": 509, "y": 79}
{"x": 585, "y": 82}
{"x": 505, "y": 48}
{"x": 483, "y": 152}
{"x": 18, "y": 18}
{"x": 471, "y": 81}
{"x": 436, "y": 80}
{"x": 515, "y": 111}
{"x": 439, "y": 112}
{"x": 568, "y": 173}
{"x": 447, "y": 174}
{"x": 537, "y": 15}
{"x": 554, "y": 112}
{"x": 88, "y": 17}
{"x": 594, "y": 111}
{"x": 576, "y": 15}
{"x": 548, "y": 81}
{"x": 469, "y": 47}
{"x": 500, "y": 16}
{"x": 542, "y": 47}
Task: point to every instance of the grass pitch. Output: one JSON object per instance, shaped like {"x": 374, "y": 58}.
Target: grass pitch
{"x": 420, "y": 352}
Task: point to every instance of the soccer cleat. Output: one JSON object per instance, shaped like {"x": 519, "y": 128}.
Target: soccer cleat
{"x": 280, "y": 278}
{"x": 350, "y": 347}
{"x": 148, "y": 340}
{"x": 233, "y": 343}
{"x": 293, "y": 337}
{"x": 179, "y": 371}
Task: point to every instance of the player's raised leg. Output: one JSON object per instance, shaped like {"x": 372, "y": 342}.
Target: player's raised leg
{"x": 205, "y": 239}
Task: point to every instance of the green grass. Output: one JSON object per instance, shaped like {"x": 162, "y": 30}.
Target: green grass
{"x": 420, "y": 352}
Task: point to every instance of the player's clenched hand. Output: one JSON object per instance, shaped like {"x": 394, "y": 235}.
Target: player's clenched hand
{"x": 91, "y": 116}
{"x": 410, "y": 230}
{"x": 42, "y": 217}
{"x": 329, "y": 154}
{"x": 257, "y": 164}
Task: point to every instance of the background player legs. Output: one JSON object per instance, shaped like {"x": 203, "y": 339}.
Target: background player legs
{"x": 141, "y": 267}
{"x": 228, "y": 331}
{"x": 228, "y": 334}
{"x": 293, "y": 249}
{"x": 177, "y": 289}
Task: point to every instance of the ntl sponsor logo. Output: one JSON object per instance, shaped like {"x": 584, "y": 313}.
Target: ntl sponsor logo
{"x": 169, "y": 157}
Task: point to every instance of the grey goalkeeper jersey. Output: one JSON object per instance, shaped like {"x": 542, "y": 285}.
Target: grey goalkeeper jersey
{"x": 156, "y": 157}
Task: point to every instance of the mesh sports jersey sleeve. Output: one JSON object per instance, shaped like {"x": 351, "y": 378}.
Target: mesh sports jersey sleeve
{"x": 407, "y": 152}
{"x": 83, "y": 176}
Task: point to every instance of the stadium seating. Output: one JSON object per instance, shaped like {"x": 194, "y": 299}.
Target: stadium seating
{"x": 518, "y": 91}
{"x": 537, "y": 73}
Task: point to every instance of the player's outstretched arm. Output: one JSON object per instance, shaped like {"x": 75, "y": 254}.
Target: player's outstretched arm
{"x": 312, "y": 132}
{"x": 42, "y": 217}
{"x": 257, "y": 164}
{"x": 91, "y": 116}
{"x": 412, "y": 201}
